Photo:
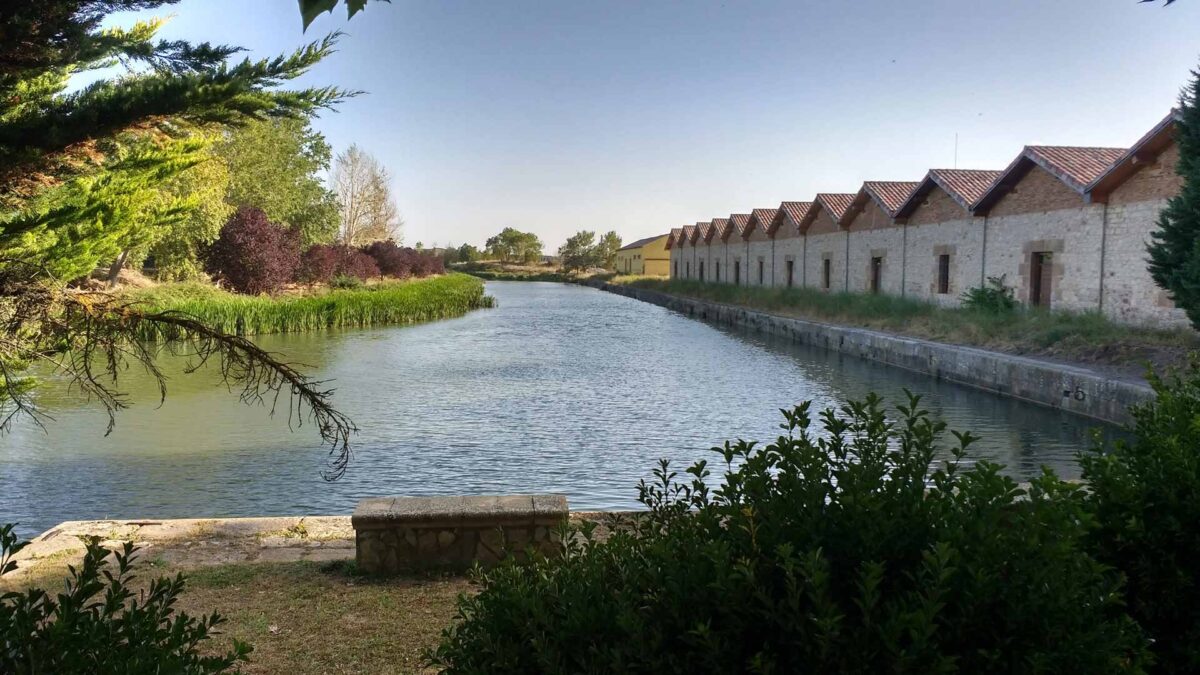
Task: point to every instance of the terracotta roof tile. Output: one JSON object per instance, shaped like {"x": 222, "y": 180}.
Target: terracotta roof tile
{"x": 639, "y": 243}
{"x": 890, "y": 195}
{"x": 718, "y": 228}
{"x": 835, "y": 203}
{"x": 738, "y": 223}
{"x": 794, "y": 210}
{"x": 702, "y": 230}
{"x": 1078, "y": 165}
{"x": 761, "y": 218}
{"x": 964, "y": 185}
{"x": 688, "y": 232}
{"x": 1151, "y": 145}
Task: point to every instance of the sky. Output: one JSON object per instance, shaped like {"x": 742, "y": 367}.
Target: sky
{"x": 556, "y": 116}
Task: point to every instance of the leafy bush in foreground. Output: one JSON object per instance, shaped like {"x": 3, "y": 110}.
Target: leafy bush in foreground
{"x": 254, "y": 255}
{"x": 818, "y": 554}
{"x": 319, "y": 263}
{"x": 991, "y": 298}
{"x": 1145, "y": 494}
{"x": 99, "y": 625}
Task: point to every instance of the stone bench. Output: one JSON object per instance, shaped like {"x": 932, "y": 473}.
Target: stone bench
{"x": 392, "y": 534}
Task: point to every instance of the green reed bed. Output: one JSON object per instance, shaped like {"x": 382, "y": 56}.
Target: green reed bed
{"x": 1085, "y": 336}
{"x": 387, "y": 303}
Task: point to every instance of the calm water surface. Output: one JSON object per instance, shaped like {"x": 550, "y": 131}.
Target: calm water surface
{"x": 560, "y": 389}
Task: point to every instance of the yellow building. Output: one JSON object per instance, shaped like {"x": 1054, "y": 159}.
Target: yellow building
{"x": 647, "y": 256}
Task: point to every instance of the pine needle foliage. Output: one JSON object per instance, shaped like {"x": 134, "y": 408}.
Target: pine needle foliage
{"x": 1175, "y": 247}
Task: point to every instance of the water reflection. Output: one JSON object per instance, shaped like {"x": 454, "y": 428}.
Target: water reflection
{"x": 560, "y": 389}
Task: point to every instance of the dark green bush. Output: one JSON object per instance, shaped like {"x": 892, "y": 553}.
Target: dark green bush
{"x": 992, "y": 298}
{"x": 345, "y": 282}
{"x": 1145, "y": 494}
{"x": 98, "y": 625}
{"x": 841, "y": 552}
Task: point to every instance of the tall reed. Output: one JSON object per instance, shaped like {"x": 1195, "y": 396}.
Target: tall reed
{"x": 392, "y": 303}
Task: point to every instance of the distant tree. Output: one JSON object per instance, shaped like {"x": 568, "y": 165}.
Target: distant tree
{"x": 367, "y": 210}
{"x": 579, "y": 252}
{"x": 607, "y": 249}
{"x": 276, "y": 165}
{"x": 512, "y": 245}
{"x": 1175, "y": 247}
{"x": 254, "y": 255}
{"x": 468, "y": 253}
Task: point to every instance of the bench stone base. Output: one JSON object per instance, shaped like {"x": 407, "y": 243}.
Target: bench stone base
{"x": 395, "y": 534}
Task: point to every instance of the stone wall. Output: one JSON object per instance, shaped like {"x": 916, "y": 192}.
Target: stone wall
{"x": 395, "y": 534}
{"x": 886, "y": 243}
{"x": 962, "y": 240}
{"x": 789, "y": 245}
{"x": 1079, "y": 390}
{"x": 831, "y": 246}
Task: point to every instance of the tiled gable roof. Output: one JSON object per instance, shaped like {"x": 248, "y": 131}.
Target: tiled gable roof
{"x": 1146, "y": 149}
{"x": 703, "y": 231}
{"x": 689, "y": 232}
{"x": 761, "y": 219}
{"x": 675, "y": 237}
{"x": 964, "y": 186}
{"x": 738, "y": 223}
{"x": 1075, "y": 167}
{"x": 718, "y": 228}
{"x": 835, "y": 203}
{"x": 889, "y": 195}
{"x": 795, "y": 211}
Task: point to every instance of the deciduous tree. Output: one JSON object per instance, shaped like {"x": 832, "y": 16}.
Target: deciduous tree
{"x": 512, "y": 245}
{"x": 367, "y": 210}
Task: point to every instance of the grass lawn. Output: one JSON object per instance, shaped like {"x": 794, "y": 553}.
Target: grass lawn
{"x": 306, "y": 617}
{"x": 1086, "y": 338}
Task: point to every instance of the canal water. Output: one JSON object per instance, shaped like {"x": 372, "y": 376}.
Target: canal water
{"x": 561, "y": 388}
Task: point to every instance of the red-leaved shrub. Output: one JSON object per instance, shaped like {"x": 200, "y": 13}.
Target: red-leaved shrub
{"x": 320, "y": 263}
{"x": 355, "y": 263}
{"x": 254, "y": 255}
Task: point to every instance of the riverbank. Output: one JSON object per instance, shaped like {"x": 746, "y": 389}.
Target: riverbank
{"x": 496, "y": 271}
{"x": 379, "y": 304}
{"x": 1085, "y": 340}
{"x": 1090, "y": 392}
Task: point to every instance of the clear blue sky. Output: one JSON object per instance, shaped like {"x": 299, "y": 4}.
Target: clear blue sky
{"x": 562, "y": 115}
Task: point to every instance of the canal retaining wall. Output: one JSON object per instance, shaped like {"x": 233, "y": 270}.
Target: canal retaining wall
{"x": 1077, "y": 389}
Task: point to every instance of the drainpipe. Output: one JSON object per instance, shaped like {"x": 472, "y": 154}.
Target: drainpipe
{"x": 804, "y": 261}
{"x": 1103, "y": 252}
{"x": 983, "y": 257}
{"x": 846, "y": 264}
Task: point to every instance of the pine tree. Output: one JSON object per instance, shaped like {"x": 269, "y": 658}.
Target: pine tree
{"x": 1175, "y": 246}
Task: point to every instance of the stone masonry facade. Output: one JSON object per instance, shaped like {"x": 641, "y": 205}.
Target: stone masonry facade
{"x": 1065, "y": 228}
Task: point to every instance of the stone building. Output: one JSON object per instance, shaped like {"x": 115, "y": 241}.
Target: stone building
{"x": 703, "y": 266}
{"x": 689, "y": 252}
{"x": 1133, "y": 191}
{"x": 1041, "y": 234}
{"x": 675, "y": 252}
{"x": 760, "y": 248}
{"x": 875, "y": 238}
{"x": 784, "y": 231}
{"x": 738, "y": 249}
{"x": 718, "y": 249}
{"x": 826, "y": 242}
{"x": 943, "y": 240}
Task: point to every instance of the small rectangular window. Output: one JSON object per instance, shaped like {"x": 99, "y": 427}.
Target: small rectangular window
{"x": 791, "y": 265}
{"x": 760, "y": 272}
{"x": 701, "y": 270}
{"x": 943, "y": 283}
{"x": 737, "y": 272}
{"x": 718, "y": 272}
{"x": 826, "y": 273}
{"x": 876, "y": 274}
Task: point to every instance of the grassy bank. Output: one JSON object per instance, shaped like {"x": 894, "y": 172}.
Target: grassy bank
{"x": 388, "y": 303}
{"x": 1086, "y": 338}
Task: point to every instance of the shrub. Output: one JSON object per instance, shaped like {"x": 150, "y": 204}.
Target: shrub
{"x": 357, "y": 264}
{"x": 345, "y": 282}
{"x": 254, "y": 255}
{"x": 319, "y": 264}
{"x": 828, "y": 553}
{"x": 390, "y": 258}
{"x": 1145, "y": 494}
{"x": 991, "y": 298}
{"x": 98, "y": 624}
